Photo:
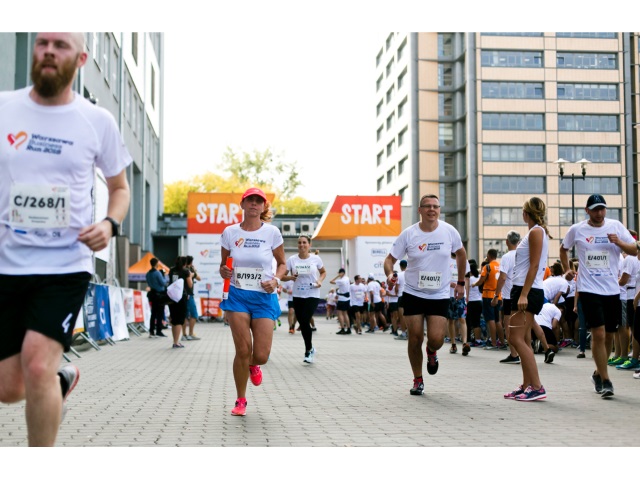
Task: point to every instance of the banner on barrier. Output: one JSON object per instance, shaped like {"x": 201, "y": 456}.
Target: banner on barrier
{"x": 118, "y": 316}
{"x": 138, "y": 309}
{"x": 146, "y": 309}
{"x": 97, "y": 308}
{"x": 210, "y": 307}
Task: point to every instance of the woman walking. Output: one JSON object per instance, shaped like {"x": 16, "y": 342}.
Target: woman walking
{"x": 528, "y": 274}
{"x": 308, "y": 273}
{"x": 252, "y": 305}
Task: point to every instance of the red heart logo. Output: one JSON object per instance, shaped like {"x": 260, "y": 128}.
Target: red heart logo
{"x": 590, "y": 239}
{"x": 17, "y": 140}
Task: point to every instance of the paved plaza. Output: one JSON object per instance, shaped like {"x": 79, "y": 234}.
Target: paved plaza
{"x": 141, "y": 392}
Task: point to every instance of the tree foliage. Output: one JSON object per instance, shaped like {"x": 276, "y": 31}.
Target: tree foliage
{"x": 260, "y": 169}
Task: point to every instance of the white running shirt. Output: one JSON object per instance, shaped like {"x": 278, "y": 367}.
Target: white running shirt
{"x": 546, "y": 316}
{"x": 308, "y": 270}
{"x": 357, "y": 294}
{"x": 507, "y": 263}
{"x": 522, "y": 263}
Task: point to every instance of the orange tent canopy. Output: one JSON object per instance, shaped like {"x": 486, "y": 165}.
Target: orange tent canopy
{"x": 138, "y": 271}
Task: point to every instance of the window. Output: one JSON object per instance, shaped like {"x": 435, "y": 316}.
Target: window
{"x": 380, "y": 183}
{"x": 567, "y": 220}
{"x": 607, "y": 61}
{"x": 502, "y": 216}
{"x": 134, "y": 46}
{"x": 106, "y": 56}
{"x": 447, "y": 164}
{"x": 402, "y": 136}
{"x": 379, "y": 157}
{"x": 402, "y": 165}
{"x": 378, "y": 83}
{"x": 401, "y": 49}
{"x": 391, "y": 174}
{"x": 401, "y": 78}
{"x": 513, "y": 153}
{"x": 127, "y": 99}
{"x": 587, "y": 91}
{"x": 587, "y": 34}
{"x": 379, "y": 107}
{"x": 390, "y": 120}
{"x": 378, "y": 57}
{"x": 509, "y": 58}
{"x": 513, "y": 121}
{"x": 511, "y": 34}
{"x": 96, "y": 44}
{"x": 153, "y": 87}
{"x": 587, "y": 123}
{"x": 512, "y": 90}
{"x": 134, "y": 115}
{"x": 603, "y": 185}
{"x": 499, "y": 245}
{"x": 593, "y": 153}
{"x": 389, "y": 67}
{"x": 402, "y": 107}
{"x": 445, "y": 75}
{"x": 514, "y": 184}
{"x": 445, "y": 104}
{"x": 140, "y": 123}
{"x": 390, "y": 93}
{"x": 379, "y": 133}
{"x": 445, "y": 44}
{"x": 403, "y": 194}
{"x": 445, "y": 134}
{"x": 115, "y": 70}
{"x": 391, "y": 147}
{"x": 389, "y": 40}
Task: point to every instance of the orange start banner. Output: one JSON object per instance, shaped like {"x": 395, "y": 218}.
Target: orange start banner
{"x": 213, "y": 212}
{"x": 360, "y": 216}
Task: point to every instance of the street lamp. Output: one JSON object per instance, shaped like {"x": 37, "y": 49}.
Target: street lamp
{"x": 583, "y": 166}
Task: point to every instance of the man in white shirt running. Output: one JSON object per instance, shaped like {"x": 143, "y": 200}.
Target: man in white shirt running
{"x": 599, "y": 242}
{"x": 428, "y": 245}
{"x": 52, "y": 141}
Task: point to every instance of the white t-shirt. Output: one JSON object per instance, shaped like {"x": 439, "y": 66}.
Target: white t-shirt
{"x": 453, "y": 266}
{"x": 358, "y": 293}
{"x": 401, "y": 283}
{"x": 428, "y": 253}
{"x": 553, "y": 285}
{"x": 546, "y": 316}
{"x": 572, "y": 288}
{"x": 474, "y": 292}
{"x": 507, "y": 263}
{"x": 630, "y": 266}
{"x": 252, "y": 254}
{"x": 374, "y": 287}
{"x": 48, "y": 157}
{"x": 598, "y": 258}
{"x": 331, "y": 298}
{"x": 287, "y": 289}
{"x": 342, "y": 286}
{"x": 308, "y": 270}
{"x": 522, "y": 263}
{"x": 392, "y": 290}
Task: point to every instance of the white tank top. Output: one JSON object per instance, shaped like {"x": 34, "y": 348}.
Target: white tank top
{"x": 523, "y": 263}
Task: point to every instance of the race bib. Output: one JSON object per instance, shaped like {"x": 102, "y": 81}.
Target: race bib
{"x": 430, "y": 280}
{"x": 303, "y": 269}
{"x": 39, "y": 206}
{"x": 359, "y": 296}
{"x": 597, "y": 260}
{"x": 248, "y": 278}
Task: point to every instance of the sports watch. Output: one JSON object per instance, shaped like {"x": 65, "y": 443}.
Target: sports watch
{"x": 115, "y": 226}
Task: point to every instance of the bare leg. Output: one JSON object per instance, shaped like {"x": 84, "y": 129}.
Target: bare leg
{"x": 415, "y": 338}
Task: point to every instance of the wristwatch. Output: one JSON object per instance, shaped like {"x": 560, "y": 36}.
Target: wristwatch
{"x": 115, "y": 226}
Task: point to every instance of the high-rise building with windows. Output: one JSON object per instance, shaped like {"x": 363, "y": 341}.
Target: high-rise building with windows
{"x": 480, "y": 119}
{"x": 124, "y": 74}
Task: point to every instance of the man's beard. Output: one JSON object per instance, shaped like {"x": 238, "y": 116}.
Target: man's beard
{"x": 51, "y": 84}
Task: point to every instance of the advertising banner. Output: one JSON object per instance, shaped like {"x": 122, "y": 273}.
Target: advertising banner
{"x": 367, "y": 256}
{"x": 213, "y": 212}
{"x": 128, "y": 305}
{"x": 146, "y": 309}
{"x": 210, "y": 307}
{"x": 138, "y": 309}
{"x": 98, "y": 312}
{"x": 118, "y": 316}
{"x": 205, "y": 250}
{"x": 360, "y": 216}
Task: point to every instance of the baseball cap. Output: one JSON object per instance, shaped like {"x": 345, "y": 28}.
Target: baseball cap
{"x": 254, "y": 191}
{"x": 370, "y": 276}
{"x": 596, "y": 200}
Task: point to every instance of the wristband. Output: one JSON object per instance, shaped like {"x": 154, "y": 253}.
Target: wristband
{"x": 462, "y": 284}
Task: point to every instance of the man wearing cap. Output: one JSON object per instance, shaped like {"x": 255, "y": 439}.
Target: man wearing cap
{"x": 428, "y": 245}
{"x": 599, "y": 241}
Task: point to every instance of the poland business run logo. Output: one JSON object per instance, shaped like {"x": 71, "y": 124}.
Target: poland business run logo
{"x": 422, "y": 247}
{"x": 38, "y": 143}
{"x": 239, "y": 242}
{"x": 18, "y": 139}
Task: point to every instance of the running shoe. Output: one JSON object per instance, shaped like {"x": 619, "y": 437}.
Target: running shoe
{"x": 607, "y": 389}
{"x": 178, "y": 345}
{"x": 240, "y": 410}
{"x": 432, "y": 363}
{"x": 531, "y": 395}
{"x": 465, "y": 349}
{"x": 453, "y": 349}
{"x": 386, "y": 327}
{"x": 401, "y": 336}
{"x": 580, "y": 355}
{"x": 489, "y": 347}
{"x": 160, "y": 334}
{"x": 151, "y": 335}
{"x": 193, "y": 337}
{"x": 292, "y": 331}
{"x": 614, "y": 361}
{"x": 512, "y": 395}
{"x": 313, "y": 329}
{"x": 347, "y": 332}
{"x": 548, "y": 356}
{"x": 310, "y": 356}
{"x": 341, "y": 332}
{"x": 255, "y": 374}
{"x": 418, "y": 387}
{"x": 279, "y": 323}
{"x": 637, "y": 375}
{"x": 630, "y": 364}
{"x": 69, "y": 376}
{"x": 510, "y": 359}
{"x": 370, "y": 331}
{"x": 565, "y": 343}
{"x": 597, "y": 382}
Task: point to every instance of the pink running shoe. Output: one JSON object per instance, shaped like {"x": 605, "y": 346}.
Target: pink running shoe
{"x": 240, "y": 410}
{"x": 255, "y": 374}
{"x": 512, "y": 395}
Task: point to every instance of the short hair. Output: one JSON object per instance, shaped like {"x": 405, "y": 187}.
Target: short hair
{"x": 189, "y": 259}
{"x": 513, "y": 237}
{"x": 342, "y": 270}
{"x": 154, "y": 262}
{"x": 403, "y": 263}
{"x": 492, "y": 252}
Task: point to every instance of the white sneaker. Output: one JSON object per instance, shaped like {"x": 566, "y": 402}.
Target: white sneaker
{"x": 636, "y": 375}
{"x": 310, "y": 357}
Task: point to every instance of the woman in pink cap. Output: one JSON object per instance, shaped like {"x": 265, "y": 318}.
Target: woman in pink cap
{"x": 252, "y": 305}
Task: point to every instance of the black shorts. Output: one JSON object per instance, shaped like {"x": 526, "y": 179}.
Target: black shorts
{"x": 490, "y": 313}
{"x": 47, "y": 304}
{"x": 601, "y": 310}
{"x": 393, "y": 307}
{"x": 474, "y": 310}
{"x": 549, "y": 335}
{"x": 378, "y": 307}
{"x": 290, "y": 304}
{"x": 535, "y": 299}
{"x": 400, "y": 302}
{"x": 343, "y": 306}
{"x": 506, "y": 307}
{"x": 178, "y": 311}
{"x": 414, "y": 305}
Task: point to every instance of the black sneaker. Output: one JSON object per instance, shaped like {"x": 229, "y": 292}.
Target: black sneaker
{"x": 69, "y": 376}
{"x": 386, "y": 328}
{"x": 432, "y": 363}
{"x": 160, "y": 334}
{"x": 548, "y": 356}
{"x": 510, "y": 359}
{"x": 597, "y": 382}
{"x": 347, "y": 332}
{"x": 370, "y": 331}
{"x": 418, "y": 387}
{"x": 607, "y": 389}
{"x": 341, "y": 332}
